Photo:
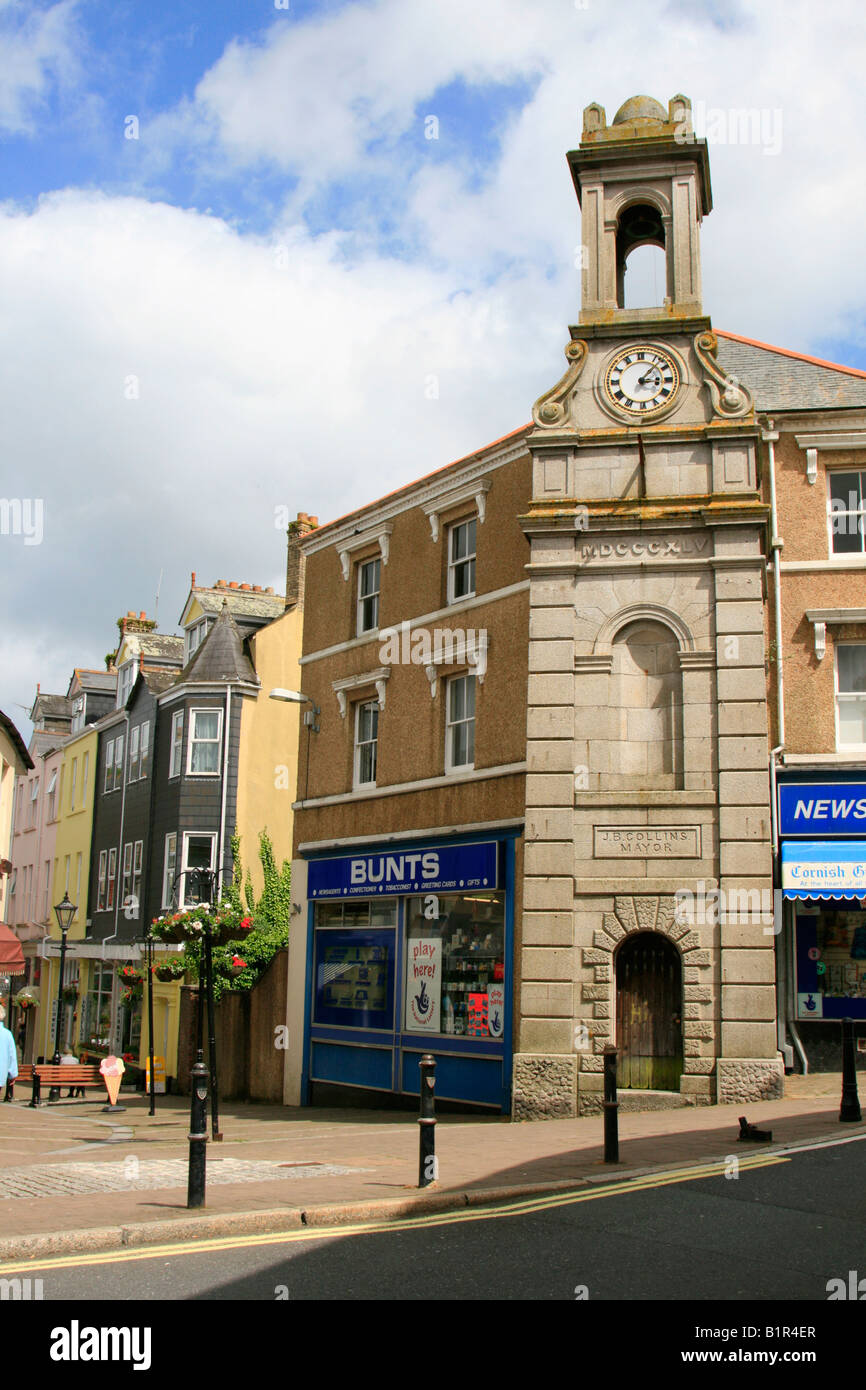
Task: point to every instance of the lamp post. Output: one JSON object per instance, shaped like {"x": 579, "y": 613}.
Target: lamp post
{"x": 64, "y": 912}
{"x": 296, "y": 697}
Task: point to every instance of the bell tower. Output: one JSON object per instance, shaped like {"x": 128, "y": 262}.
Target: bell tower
{"x": 647, "y": 887}
{"x": 643, "y": 180}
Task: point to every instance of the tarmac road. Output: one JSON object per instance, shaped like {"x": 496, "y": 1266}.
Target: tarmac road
{"x": 778, "y": 1230}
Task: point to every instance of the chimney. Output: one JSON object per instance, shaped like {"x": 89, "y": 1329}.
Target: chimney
{"x": 245, "y": 586}
{"x": 233, "y": 584}
{"x": 192, "y": 579}
{"x": 133, "y": 623}
{"x": 295, "y": 562}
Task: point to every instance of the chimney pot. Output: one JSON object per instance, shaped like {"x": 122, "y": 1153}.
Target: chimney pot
{"x": 233, "y": 583}
{"x": 192, "y": 579}
{"x": 270, "y": 589}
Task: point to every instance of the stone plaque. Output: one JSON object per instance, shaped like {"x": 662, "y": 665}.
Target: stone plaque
{"x": 647, "y": 841}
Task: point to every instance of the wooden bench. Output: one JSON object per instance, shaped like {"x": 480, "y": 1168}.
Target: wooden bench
{"x": 25, "y": 1073}
{"x": 65, "y": 1074}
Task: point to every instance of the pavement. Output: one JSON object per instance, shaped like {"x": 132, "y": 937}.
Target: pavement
{"x": 73, "y": 1178}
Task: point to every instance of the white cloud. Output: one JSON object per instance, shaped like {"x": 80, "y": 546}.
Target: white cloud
{"x": 296, "y": 371}
{"x": 38, "y": 48}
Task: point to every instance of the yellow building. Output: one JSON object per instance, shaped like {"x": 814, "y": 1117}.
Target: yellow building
{"x": 70, "y": 876}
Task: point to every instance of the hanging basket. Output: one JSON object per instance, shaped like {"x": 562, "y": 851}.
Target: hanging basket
{"x": 222, "y": 926}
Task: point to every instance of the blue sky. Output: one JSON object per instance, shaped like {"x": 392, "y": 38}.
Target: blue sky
{"x": 241, "y": 308}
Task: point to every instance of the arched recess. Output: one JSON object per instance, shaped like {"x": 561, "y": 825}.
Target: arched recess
{"x": 642, "y": 220}
{"x": 649, "y": 1013}
{"x": 646, "y": 701}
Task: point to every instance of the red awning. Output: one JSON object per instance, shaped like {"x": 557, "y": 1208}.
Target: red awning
{"x": 11, "y": 954}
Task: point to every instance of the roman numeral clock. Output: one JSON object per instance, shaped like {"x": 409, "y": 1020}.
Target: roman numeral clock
{"x": 640, "y": 382}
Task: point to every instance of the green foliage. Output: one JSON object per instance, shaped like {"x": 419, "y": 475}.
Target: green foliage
{"x": 270, "y": 932}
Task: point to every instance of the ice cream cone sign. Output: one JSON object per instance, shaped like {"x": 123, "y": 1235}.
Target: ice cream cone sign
{"x": 112, "y": 1070}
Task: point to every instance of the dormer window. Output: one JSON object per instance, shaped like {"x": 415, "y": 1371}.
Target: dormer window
{"x": 125, "y": 682}
{"x": 196, "y": 634}
{"x": 78, "y": 715}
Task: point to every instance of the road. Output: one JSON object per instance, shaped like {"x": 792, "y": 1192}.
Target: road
{"x": 780, "y": 1230}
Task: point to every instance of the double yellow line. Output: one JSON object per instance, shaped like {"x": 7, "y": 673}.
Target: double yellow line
{"x": 523, "y": 1207}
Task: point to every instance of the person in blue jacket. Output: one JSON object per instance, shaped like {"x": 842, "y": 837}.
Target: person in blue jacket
{"x": 8, "y": 1055}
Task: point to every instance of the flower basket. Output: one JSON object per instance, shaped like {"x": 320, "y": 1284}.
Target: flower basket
{"x": 221, "y": 923}
{"x": 70, "y": 994}
{"x": 130, "y": 975}
{"x": 174, "y": 968}
{"x": 236, "y": 966}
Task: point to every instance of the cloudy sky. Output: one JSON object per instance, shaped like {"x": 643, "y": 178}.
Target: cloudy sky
{"x": 242, "y": 268}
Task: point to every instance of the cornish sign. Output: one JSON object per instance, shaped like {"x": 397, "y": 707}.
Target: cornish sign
{"x": 447, "y": 869}
{"x": 647, "y": 841}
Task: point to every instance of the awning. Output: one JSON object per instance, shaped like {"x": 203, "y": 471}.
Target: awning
{"x": 11, "y": 954}
{"x": 813, "y": 869}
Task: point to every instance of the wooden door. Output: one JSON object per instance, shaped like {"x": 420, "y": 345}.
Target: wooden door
{"x": 649, "y": 1014}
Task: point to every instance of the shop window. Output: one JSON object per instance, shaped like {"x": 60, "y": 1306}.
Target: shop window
{"x": 851, "y": 695}
{"x": 455, "y": 965}
{"x": 461, "y": 561}
{"x": 831, "y": 956}
{"x": 96, "y": 1010}
{"x": 369, "y": 579}
{"x": 354, "y": 964}
{"x": 460, "y": 724}
{"x": 846, "y": 511}
{"x": 366, "y": 743}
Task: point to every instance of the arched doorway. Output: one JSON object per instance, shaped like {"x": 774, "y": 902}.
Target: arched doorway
{"x": 649, "y": 1013}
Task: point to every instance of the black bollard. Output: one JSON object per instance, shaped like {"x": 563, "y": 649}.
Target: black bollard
{"x": 197, "y": 1135}
{"x": 427, "y": 1167}
{"x": 611, "y": 1106}
{"x": 850, "y": 1107}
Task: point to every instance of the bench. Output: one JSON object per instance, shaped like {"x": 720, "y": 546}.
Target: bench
{"x": 65, "y": 1074}
{"x": 25, "y": 1073}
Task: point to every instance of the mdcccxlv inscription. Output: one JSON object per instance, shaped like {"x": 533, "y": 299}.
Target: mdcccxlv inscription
{"x": 647, "y": 841}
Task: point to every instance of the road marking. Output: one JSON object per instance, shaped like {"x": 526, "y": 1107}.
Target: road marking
{"x": 522, "y": 1207}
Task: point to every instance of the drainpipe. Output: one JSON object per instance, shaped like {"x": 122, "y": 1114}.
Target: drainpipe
{"x": 219, "y": 864}
{"x": 769, "y": 437}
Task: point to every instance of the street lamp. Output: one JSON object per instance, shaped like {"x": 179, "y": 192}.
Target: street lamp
{"x": 64, "y": 912}
{"x": 296, "y": 697}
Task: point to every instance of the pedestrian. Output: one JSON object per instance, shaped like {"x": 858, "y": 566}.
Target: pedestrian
{"x": 8, "y": 1056}
{"x": 70, "y": 1060}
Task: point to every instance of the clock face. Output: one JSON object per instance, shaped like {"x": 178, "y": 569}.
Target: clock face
{"x": 642, "y": 380}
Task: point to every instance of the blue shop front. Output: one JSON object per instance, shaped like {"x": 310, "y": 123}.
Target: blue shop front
{"x": 410, "y": 951}
{"x": 822, "y": 832}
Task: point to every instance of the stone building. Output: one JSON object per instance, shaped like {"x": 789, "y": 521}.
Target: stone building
{"x": 647, "y": 826}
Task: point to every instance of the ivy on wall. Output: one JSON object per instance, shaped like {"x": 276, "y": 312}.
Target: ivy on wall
{"x": 270, "y": 916}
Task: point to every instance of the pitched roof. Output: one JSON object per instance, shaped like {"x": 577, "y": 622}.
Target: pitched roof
{"x": 23, "y": 761}
{"x": 93, "y": 680}
{"x": 52, "y": 706}
{"x": 220, "y": 657}
{"x": 783, "y": 380}
{"x": 242, "y": 602}
{"x": 155, "y": 647}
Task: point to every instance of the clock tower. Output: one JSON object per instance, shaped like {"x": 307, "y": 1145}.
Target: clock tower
{"x": 647, "y": 900}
